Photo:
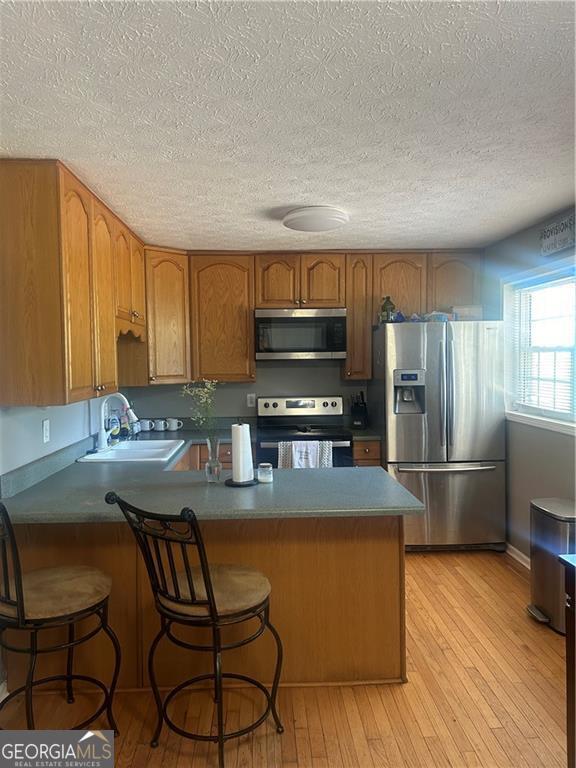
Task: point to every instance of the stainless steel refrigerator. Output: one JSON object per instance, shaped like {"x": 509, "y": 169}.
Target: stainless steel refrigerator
{"x": 438, "y": 397}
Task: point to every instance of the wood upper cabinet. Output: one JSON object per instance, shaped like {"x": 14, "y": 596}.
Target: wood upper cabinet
{"x": 123, "y": 271}
{"x": 222, "y": 300}
{"x": 130, "y": 280}
{"x": 402, "y": 276}
{"x": 358, "y": 364}
{"x": 323, "y": 279}
{"x": 292, "y": 280}
{"x": 167, "y": 281}
{"x": 57, "y": 302}
{"x": 138, "y": 281}
{"x": 103, "y": 300}
{"x": 277, "y": 280}
{"x": 454, "y": 278}
{"x": 75, "y": 222}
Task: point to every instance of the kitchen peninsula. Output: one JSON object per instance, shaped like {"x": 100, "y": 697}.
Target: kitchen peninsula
{"x": 330, "y": 541}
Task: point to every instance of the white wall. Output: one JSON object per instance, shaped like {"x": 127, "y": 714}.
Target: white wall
{"x": 21, "y": 432}
{"x": 540, "y": 462}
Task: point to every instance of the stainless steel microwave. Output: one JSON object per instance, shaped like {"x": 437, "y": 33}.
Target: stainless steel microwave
{"x": 300, "y": 334}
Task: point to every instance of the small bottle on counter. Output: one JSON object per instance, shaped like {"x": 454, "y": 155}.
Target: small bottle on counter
{"x": 265, "y": 473}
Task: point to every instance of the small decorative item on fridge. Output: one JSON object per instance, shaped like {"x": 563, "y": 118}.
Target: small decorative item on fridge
{"x": 202, "y": 396}
{"x": 387, "y": 310}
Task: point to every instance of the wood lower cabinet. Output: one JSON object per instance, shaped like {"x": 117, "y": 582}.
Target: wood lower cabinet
{"x": 222, "y": 300}
{"x": 402, "y": 276}
{"x": 103, "y": 300}
{"x": 167, "y": 281}
{"x": 358, "y": 363}
{"x": 454, "y": 279}
{"x": 367, "y": 453}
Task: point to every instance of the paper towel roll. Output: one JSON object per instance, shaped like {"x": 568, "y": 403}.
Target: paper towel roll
{"x": 242, "y": 464}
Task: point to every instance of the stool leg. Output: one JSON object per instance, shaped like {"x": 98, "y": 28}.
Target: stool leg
{"x": 70, "y": 665}
{"x": 163, "y": 629}
{"x": 30, "y": 680}
{"x": 117, "y": 661}
{"x": 277, "y": 673}
{"x": 218, "y": 693}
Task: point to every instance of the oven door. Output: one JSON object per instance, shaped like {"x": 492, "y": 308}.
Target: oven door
{"x": 267, "y": 451}
{"x": 300, "y": 334}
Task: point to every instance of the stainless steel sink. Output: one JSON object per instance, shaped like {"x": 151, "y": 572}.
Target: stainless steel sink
{"x": 147, "y": 450}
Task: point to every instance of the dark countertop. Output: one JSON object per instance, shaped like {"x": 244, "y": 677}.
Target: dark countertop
{"x": 76, "y": 494}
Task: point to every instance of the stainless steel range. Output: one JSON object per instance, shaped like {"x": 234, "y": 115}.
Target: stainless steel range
{"x": 281, "y": 419}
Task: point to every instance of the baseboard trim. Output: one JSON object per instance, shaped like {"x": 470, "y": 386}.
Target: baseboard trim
{"x": 518, "y": 556}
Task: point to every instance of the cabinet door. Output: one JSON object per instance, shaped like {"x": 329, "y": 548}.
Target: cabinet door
{"x": 358, "y": 316}
{"x": 402, "y": 276}
{"x": 138, "y": 282}
{"x": 222, "y": 297}
{"x": 75, "y": 223}
{"x": 123, "y": 271}
{"x": 323, "y": 279}
{"x": 103, "y": 300}
{"x": 168, "y": 316}
{"x": 277, "y": 280}
{"x": 454, "y": 279}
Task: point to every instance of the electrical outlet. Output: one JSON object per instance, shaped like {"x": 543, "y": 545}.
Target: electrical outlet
{"x": 251, "y": 400}
{"x": 45, "y": 430}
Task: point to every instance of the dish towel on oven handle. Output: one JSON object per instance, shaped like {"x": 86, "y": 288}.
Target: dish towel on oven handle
{"x": 304, "y": 454}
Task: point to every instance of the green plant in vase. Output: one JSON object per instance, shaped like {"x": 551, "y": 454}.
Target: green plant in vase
{"x": 201, "y": 394}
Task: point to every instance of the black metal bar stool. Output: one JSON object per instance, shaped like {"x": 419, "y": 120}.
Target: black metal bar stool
{"x": 199, "y": 595}
{"x": 50, "y": 598}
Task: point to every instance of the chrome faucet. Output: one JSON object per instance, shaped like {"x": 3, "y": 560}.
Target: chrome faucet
{"x": 103, "y": 433}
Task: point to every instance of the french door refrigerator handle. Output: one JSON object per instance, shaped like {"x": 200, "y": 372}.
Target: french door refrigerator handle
{"x": 443, "y": 470}
{"x": 451, "y": 393}
{"x": 442, "y": 394}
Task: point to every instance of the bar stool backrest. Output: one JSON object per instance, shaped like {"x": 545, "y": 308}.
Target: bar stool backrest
{"x": 171, "y": 546}
{"x": 11, "y": 592}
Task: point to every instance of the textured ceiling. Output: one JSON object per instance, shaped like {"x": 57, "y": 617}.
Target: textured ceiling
{"x": 433, "y": 124}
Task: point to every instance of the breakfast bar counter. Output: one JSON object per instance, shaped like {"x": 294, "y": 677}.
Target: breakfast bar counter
{"x": 330, "y": 541}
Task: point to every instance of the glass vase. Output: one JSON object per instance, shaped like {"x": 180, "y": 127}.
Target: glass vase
{"x": 213, "y": 466}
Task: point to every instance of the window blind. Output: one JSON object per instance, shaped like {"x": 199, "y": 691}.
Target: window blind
{"x": 544, "y": 337}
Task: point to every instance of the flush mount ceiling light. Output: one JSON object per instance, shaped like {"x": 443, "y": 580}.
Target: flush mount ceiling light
{"x": 315, "y": 218}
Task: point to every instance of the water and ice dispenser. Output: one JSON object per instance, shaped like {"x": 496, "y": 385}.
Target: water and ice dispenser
{"x": 409, "y": 391}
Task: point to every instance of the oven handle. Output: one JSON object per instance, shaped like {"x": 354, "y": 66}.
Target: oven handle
{"x": 335, "y": 444}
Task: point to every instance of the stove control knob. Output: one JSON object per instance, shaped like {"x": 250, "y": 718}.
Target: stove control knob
{"x": 334, "y": 404}
{"x": 274, "y": 405}
{"x": 266, "y": 404}
{"x": 325, "y": 404}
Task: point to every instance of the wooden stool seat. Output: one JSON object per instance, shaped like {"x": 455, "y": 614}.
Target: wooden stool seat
{"x": 236, "y": 589}
{"x": 50, "y": 593}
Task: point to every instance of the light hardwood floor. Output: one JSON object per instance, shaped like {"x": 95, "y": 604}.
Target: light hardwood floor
{"x": 486, "y": 688}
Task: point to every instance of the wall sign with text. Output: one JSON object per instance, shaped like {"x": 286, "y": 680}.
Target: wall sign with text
{"x": 557, "y": 236}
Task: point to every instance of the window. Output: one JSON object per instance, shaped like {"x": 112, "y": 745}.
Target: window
{"x": 543, "y": 360}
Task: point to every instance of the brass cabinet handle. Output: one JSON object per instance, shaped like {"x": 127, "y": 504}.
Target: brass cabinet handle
{"x": 152, "y": 378}
{"x": 348, "y": 373}
{"x": 303, "y": 301}
{"x": 366, "y": 450}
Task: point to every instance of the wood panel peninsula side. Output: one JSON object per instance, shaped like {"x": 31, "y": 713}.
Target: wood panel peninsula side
{"x": 330, "y": 541}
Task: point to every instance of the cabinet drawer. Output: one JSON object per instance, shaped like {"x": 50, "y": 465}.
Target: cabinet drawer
{"x": 367, "y": 463}
{"x": 224, "y": 453}
{"x": 366, "y": 450}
